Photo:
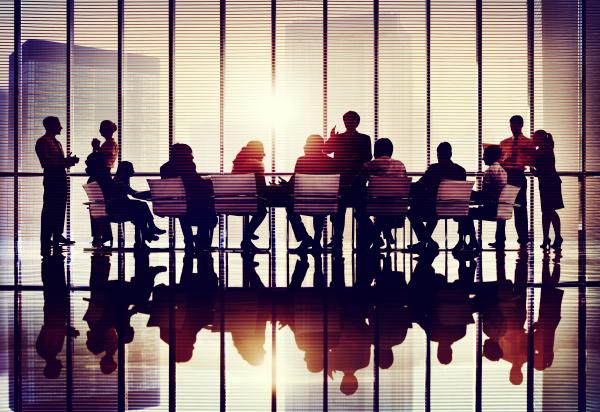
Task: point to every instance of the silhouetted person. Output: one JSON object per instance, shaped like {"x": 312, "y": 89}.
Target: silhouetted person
{"x": 353, "y": 349}
{"x": 191, "y": 300}
{"x": 314, "y": 162}
{"x": 512, "y": 345}
{"x": 99, "y": 163}
{"x": 98, "y": 172}
{"x": 494, "y": 180}
{"x": 422, "y": 213}
{"x": 199, "y": 192}
{"x": 137, "y": 211}
{"x": 517, "y": 152}
{"x": 384, "y": 165}
{"x": 55, "y": 330}
{"x": 54, "y": 162}
{"x": 351, "y": 150}
{"x": 250, "y": 160}
{"x": 549, "y": 182}
{"x": 391, "y": 316}
{"x": 544, "y": 330}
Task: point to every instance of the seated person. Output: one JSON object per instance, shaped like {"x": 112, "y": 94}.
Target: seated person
{"x": 119, "y": 203}
{"x": 422, "y": 213}
{"x": 199, "y": 192}
{"x": 494, "y": 180}
{"x": 250, "y": 160}
{"x": 384, "y": 165}
{"x": 314, "y": 162}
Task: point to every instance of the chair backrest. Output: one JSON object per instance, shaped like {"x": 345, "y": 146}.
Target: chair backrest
{"x": 235, "y": 194}
{"x": 388, "y": 195}
{"x": 506, "y": 202}
{"x": 453, "y": 198}
{"x": 97, "y": 204}
{"x": 168, "y": 197}
{"x": 316, "y": 194}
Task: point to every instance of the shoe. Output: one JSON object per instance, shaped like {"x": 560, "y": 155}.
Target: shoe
{"x": 152, "y": 237}
{"x": 97, "y": 243}
{"x": 303, "y": 247}
{"x": 416, "y": 247}
{"x": 432, "y": 245}
{"x": 335, "y": 244}
{"x": 378, "y": 243}
{"x": 63, "y": 241}
{"x": 248, "y": 246}
{"x": 255, "y": 237}
{"x": 545, "y": 244}
{"x": 557, "y": 245}
{"x": 157, "y": 231}
{"x": 472, "y": 247}
{"x": 496, "y": 245}
{"x": 459, "y": 247}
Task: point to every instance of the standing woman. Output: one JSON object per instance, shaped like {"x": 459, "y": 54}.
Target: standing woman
{"x": 550, "y": 187}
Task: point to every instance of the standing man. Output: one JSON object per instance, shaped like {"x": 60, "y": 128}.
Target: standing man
{"x": 53, "y": 161}
{"x": 517, "y": 152}
{"x": 351, "y": 150}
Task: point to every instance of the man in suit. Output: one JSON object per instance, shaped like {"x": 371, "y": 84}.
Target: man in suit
{"x": 351, "y": 150}
{"x": 422, "y": 216}
{"x": 54, "y": 162}
{"x": 517, "y": 152}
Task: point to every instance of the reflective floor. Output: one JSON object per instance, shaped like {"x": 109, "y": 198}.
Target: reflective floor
{"x": 116, "y": 330}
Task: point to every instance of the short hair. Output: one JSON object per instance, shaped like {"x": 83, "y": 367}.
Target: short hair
{"x": 518, "y": 119}
{"x": 50, "y": 121}
{"x": 315, "y": 140}
{"x": 493, "y": 152}
{"x": 255, "y": 148}
{"x": 351, "y": 119}
{"x": 383, "y": 147}
{"x": 180, "y": 150}
{"x": 108, "y": 124}
{"x": 444, "y": 150}
{"x": 125, "y": 168}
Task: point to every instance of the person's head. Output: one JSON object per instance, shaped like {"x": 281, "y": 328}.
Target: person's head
{"x": 107, "y": 128}
{"x": 516, "y": 124}
{"x": 444, "y": 353}
{"x": 516, "y": 375}
{"x": 255, "y": 150}
{"x": 253, "y": 354}
{"x": 351, "y": 120}
{"x": 181, "y": 152}
{"x": 125, "y": 170}
{"x": 52, "y": 125}
{"x": 386, "y": 358}
{"x": 444, "y": 151}
{"x": 383, "y": 147}
{"x": 314, "y": 360}
{"x": 492, "y": 154}
{"x": 95, "y": 341}
{"x": 492, "y": 350}
{"x": 543, "y": 139}
{"x": 314, "y": 144}
{"x": 95, "y": 144}
{"x": 107, "y": 364}
{"x": 349, "y": 384}
{"x": 52, "y": 368}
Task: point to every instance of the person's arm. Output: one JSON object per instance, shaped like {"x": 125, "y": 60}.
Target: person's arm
{"x": 331, "y": 144}
{"x": 366, "y": 154}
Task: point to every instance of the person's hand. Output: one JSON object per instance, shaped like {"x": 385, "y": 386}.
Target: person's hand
{"x": 282, "y": 181}
{"x": 95, "y": 142}
{"x": 332, "y": 133}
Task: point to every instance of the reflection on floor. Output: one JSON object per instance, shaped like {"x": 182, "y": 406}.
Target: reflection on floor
{"x": 354, "y": 331}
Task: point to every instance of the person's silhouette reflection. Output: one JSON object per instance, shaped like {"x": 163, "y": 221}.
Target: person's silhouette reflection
{"x": 510, "y": 316}
{"x": 192, "y": 302}
{"x": 300, "y": 270}
{"x": 337, "y": 270}
{"x": 391, "y": 311}
{"x": 442, "y": 309}
{"x": 113, "y": 303}
{"x": 353, "y": 349}
{"x": 544, "y": 330}
{"x": 55, "y": 329}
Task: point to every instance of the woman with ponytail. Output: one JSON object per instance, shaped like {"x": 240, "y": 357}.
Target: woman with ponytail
{"x": 549, "y": 184}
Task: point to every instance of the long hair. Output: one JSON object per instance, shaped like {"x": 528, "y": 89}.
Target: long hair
{"x": 545, "y": 138}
